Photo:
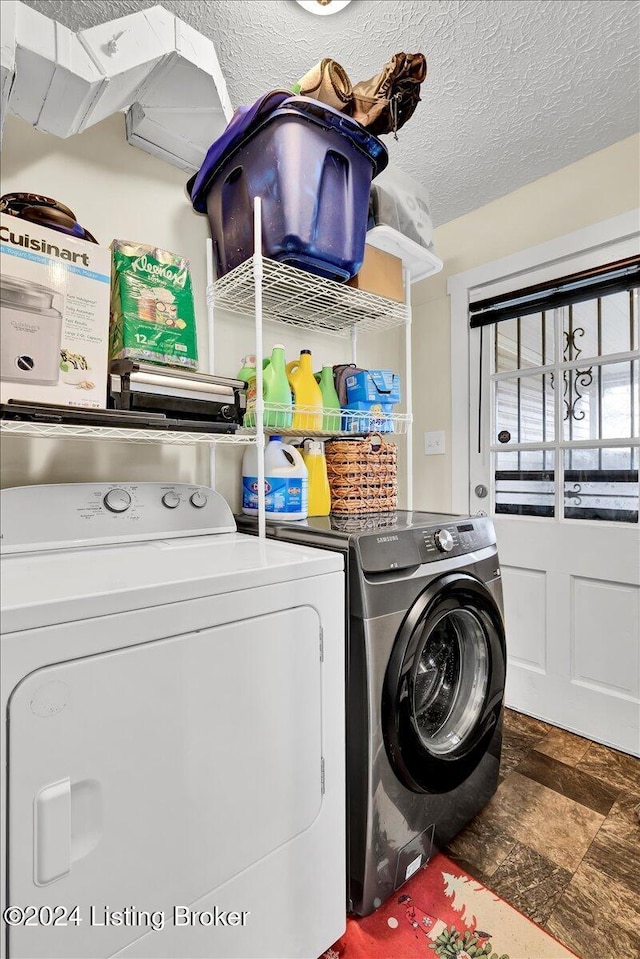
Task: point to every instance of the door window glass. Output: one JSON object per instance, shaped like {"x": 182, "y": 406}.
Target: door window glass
{"x": 601, "y": 484}
{"x": 600, "y": 327}
{"x": 525, "y": 483}
{"x": 450, "y": 681}
{"x": 524, "y": 343}
{"x": 581, "y": 407}
{"x": 601, "y": 402}
{"x": 525, "y": 409}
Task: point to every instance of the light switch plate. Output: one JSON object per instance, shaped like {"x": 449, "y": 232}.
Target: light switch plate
{"x": 434, "y": 442}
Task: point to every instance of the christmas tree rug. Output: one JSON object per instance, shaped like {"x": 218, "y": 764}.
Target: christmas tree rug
{"x": 443, "y": 912}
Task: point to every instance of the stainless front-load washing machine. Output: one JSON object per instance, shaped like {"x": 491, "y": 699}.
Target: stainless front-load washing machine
{"x": 425, "y": 684}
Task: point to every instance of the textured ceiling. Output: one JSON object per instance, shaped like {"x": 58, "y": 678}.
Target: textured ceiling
{"x": 516, "y": 88}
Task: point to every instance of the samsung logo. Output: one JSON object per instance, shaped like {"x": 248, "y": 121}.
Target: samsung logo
{"x": 387, "y": 539}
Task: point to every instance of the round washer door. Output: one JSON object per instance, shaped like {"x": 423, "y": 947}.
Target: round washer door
{"x": 444, "y": 684}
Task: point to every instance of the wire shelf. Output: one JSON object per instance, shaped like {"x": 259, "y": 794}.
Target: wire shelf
{"x": 280, "y": 420}
{"x": 302, "y": 299}
{"x": 121, "y": 434}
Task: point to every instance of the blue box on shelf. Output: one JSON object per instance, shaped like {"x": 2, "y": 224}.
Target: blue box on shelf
{"x": 375, "y": 418}
{"x": 373, "y": 386}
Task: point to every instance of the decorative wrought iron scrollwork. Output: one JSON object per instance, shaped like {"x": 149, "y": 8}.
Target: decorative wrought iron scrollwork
{"x": 574, "y": 494}
{"x": 571, "y": 349}
{"x": 573, "y": 379}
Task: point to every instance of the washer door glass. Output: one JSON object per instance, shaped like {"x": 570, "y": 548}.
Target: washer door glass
{"x": 444, "y": 685}
{"x": 450, "y": 681}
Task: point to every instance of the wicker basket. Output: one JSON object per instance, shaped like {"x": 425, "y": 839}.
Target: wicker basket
{"x": 363, "y": 475}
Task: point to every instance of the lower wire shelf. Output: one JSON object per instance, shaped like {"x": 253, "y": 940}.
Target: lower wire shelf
{"x": 281, "y": 420}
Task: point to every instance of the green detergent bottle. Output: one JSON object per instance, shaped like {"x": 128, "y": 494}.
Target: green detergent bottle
{"x": 275, "y": 389}
{"x": 278, "y": 403}
{"x": 330, "y": 401}
{"x": 248, "y": 374}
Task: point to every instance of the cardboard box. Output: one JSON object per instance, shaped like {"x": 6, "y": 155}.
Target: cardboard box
{"x": 376, "y": 418}
{"x": 54, "y": 316}
{"x": 373, "y": 386}
{"x": 375, "y": 392}
{"x": 381, "y": 274}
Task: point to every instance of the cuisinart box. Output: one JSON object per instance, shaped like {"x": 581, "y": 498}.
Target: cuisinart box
{"x": 54, "y": 316}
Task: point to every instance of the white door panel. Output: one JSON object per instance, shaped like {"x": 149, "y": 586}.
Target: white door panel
{"x": 604, "y": 648}
{"x": 525, "y": 611}
{"x": 152, "y": 775}
{"x": 572, "y": 638}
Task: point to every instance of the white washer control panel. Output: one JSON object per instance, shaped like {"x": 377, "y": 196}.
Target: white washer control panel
{"x": 198, "y": 499}
{"x": 117, "y": 500}
{"x": 72, "y": 514}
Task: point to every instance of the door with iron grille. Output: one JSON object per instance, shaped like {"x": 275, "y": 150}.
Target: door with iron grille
{"x": 554, "y": 459}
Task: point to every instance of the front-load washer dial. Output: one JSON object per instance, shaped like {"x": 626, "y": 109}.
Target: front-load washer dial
{"x": 443, "y": 540}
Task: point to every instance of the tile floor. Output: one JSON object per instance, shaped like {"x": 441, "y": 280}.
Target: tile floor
{"x": 560, "y": 840}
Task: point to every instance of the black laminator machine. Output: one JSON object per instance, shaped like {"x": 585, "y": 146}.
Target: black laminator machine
{"x": 145, "y": 388}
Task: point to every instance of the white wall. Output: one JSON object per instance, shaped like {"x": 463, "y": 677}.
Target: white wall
{"x": 117, "y": 191}
{"x": 596, "y": 188}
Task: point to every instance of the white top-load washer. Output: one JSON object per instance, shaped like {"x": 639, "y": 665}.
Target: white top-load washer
{"x": 173, "y": 730}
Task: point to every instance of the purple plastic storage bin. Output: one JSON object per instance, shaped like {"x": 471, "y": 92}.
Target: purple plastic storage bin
{"x": 312, "y": 168}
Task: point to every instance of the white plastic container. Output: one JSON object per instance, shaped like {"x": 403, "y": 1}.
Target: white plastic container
{"x": 286, "y": 481}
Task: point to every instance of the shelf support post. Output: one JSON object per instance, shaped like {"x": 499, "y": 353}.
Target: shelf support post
{"x": 406, "y": 276}
{"x": 211, "y": 345}
{"x": 354, "y": 344}
{"x": 257, "y": 279}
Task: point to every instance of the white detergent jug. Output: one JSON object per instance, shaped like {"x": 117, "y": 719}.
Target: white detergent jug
{"x": 286, "y": 481}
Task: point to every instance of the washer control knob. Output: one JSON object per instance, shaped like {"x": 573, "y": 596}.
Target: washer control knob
{"x": 444, "y": 540}
{"x": 117, "y": 500}
{"x": 171, "y": 499}
{"x": 198, "y": 499}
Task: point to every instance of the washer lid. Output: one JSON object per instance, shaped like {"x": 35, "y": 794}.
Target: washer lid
{"x": 62, "y": 586}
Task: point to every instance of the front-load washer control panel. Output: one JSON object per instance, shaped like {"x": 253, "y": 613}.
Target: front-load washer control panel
{"x": 401, "y": 549}
{"x": 73, "y": 514}
{"x": 455, "y": 539}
